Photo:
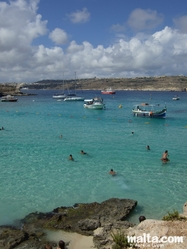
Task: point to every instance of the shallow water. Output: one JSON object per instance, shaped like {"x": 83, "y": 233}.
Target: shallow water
{"x": 36, "y": 174}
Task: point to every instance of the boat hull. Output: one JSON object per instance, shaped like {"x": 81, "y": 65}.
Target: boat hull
{"x": 74, "y": 99}
{"x": 9, "y": 98}
{"x": 108, "y": 92}
{"x": 95, "y": 106}
{"x": 59, "y": 96}
{"x": 150, "y": 114}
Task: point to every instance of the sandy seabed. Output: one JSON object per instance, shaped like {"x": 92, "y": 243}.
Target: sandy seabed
{"x": 73, "y": 240}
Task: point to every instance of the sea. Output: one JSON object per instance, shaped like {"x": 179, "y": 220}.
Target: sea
{"x": 40, "y": 133}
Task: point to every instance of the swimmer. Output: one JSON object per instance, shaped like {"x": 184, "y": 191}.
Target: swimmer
{"x": 148, "y": 148}
{"x": 83, "y": 153}
{"x": 165, "y": 156}
{"x": 71, "y": 158}
{"x": 61, "y": 136}
{"x": 112, "y": 172}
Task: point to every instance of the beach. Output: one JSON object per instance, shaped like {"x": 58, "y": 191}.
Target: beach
{"x": 73, "y": 240}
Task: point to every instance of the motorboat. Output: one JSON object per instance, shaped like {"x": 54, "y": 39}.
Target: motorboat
{"x": 108, "y": 91}
{"x": 176, "y": 98}
{"x": 73, "y": 97}
{"x": 95, "y": 103}
{"x": 149, "y": 110}
{"x": 59, "y": 96}
{"x": 8, "y": 98}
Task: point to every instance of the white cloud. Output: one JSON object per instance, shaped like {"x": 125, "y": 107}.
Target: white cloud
{"x": 161, "y": 53}
{"x": 59, "y": 36}
{"x": 141, "y": 19}
{"x": 79, "y": 16}
{"x": 181, "y": 23}
{"x": 118, "y": 28}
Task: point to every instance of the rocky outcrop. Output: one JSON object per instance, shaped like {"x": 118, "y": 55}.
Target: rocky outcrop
{"x": 81, "y": 218}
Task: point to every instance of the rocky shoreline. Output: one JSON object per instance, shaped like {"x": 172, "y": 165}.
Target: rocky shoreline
{"x": 81, "y": 218}
{"x": 97, "y": 220}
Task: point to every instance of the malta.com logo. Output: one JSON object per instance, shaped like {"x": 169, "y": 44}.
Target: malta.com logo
{"x": 146, "y": 240}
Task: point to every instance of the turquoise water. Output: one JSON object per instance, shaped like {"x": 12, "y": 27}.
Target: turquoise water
{"x": 36, "y": 174}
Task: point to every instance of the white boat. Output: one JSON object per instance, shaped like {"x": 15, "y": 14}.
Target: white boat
{"x": 73, "y": 96}
{"x": 147, "y": 110}
{"x": 95, "y": 103}
{"x": 59, "y": 96}
{"x": 176, "y": 98}
{"x": 9, "y": 98}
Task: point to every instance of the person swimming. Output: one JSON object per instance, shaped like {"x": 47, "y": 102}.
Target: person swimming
{"x": 112, "y": 172}
{"x": 165, "y": 156}
{"x": 83, "y": 152}
{"x": 71, "y": 158}
{"x": 148, "y": 148}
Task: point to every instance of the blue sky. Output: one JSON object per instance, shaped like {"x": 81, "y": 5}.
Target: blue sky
{"x": 52, "y": 39}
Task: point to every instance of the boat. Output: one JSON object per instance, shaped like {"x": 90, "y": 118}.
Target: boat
{"x": 176, "y": 98}
{"x": 8, "y": 98}
{"x": 73, "y": 96}
{"x": 149, "y": 110}
{"x": 95, "y": 103}
{"x": 59, "y": 96}
{"x": 108, "y": 91}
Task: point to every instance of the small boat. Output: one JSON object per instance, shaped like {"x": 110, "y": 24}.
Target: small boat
{"x": 95, "y": 103}
{"x": 73, "y": 97}
{"x": 8, "y": 98}
{"x": 59, "y": 96}
{"x": 176, "y": 98}
{"x": 108, "y": 91}
{"x": 147, "y": 110}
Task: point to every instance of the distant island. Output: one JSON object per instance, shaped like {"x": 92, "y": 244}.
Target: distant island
{"x": 161, "y": 83}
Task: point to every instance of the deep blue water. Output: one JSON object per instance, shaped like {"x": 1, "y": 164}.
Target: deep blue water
{"x": 36, "y": 174}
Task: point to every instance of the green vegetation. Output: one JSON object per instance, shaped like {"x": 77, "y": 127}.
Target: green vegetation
{"x": 121, "y": 241}
{"x": 173, "y": 216}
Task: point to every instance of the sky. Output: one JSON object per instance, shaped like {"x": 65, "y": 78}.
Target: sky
{"x": 64, "y": 39}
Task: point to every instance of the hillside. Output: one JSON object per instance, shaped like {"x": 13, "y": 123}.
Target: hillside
{"x": 163, "y": 83}
{"x": 173, "y": 83}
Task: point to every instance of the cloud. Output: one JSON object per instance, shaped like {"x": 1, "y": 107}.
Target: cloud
{"x": 181, "y": 23}
{"x": 79, "y": 16}
{"x": 117, "y": 28}
{"x": 59, "y": 36}
{"x": 158, "y": 53}
{"x": 20, "y": 24}
{"x": 140, "y": 19}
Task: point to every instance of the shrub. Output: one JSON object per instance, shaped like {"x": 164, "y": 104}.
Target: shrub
{"x": 173, "y": 216}
{"x": 120, "y": 240}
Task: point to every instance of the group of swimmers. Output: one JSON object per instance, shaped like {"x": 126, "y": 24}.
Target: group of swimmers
{"x": 71, "y": 157}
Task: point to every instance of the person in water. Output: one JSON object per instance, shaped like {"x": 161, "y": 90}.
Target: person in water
{"x": 165, "y": 156}
{"x": 148, "y": 148}
{"x": 71, "y": 158}
{"x": 112, "y": 172}
{"x": 83, "y": 152}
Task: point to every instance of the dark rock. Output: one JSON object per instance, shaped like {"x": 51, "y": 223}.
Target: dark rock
{"x": 81, "y": 218}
